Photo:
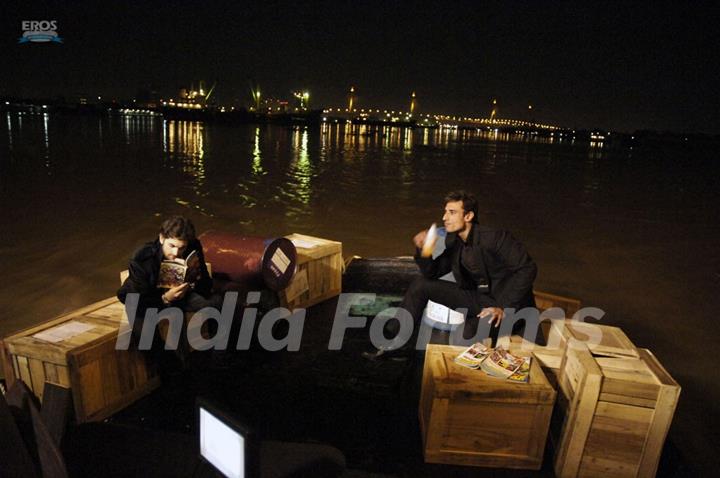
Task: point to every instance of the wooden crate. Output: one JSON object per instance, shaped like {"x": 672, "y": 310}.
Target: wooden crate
{"x": 469, "y": 418}
{"x": 613, "y": 414}
{"x": 319, "y": 272}
{"x": 544, "y": 301}
{"x": 602, "y": 340}
{"x": 103, "y": 380}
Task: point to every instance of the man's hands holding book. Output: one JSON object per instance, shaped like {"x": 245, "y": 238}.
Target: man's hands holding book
{"x": 175, "y": 293}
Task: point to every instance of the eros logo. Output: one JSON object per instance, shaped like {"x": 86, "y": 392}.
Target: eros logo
{"x": 39, "y": 31}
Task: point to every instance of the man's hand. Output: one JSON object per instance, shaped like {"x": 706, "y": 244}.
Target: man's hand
{"x": 176, "y": 293}
{"x": 419, "y": 239}
{"x": 496, "y": 315}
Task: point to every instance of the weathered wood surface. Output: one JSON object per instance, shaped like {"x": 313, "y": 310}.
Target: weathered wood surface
{"x": 469, "y": 418}
{"x": 616, "y": 414}
{"x": 103, "y": 380}
{"x": 319, "y": 273}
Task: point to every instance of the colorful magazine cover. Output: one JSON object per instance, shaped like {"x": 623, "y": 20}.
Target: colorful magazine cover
{"x": 501, "y": 363}
{"x": 473, "y": 356}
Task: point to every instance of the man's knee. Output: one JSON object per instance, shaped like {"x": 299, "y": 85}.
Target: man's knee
{"x": 420, "y": 286}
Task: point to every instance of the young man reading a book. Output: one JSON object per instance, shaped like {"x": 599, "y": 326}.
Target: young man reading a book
{"x": 491, "y": 270}
{"x": 176, "y": 240}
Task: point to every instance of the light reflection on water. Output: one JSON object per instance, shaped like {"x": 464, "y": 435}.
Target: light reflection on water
{"x": 371, "y": 187}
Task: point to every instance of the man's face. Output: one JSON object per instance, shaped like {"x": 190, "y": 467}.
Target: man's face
{"x": 455, "y": 218}
{"x": 172, "y": 247}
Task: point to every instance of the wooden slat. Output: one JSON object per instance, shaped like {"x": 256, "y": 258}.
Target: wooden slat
{"x": 46, "y": 351}
{"x": 436, "y": 428}
{"x": 61, "y": 318}
{"x": 24, "y": 371}
{"x": 664, "y": 412}
{"x": 110, "y": 384}
{"x": 37, "y": 375}
{"x": 16, "y": 369}
{"x": 613, "y": 341}
{"x": 545, "y": 301}
{"x": 89, "y": 382}
{"x": 577, "y": 424}
{"x": 63, "y": 376}
{"x": 51, "y": 374}
{"x": 627, "y": 400}
{"x": 128, "y": 398}
{"x": 6, "y": 364}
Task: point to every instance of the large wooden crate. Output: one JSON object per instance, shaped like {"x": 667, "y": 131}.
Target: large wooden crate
{"x": 103, "y": 380}
{"x": 602, "y": 340}
{"x": 613, "y": 414}
{"x": 319, "y": 272}
{"x": 469, "y": 418}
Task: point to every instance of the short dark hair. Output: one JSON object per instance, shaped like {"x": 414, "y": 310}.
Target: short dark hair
{"x": 178, "y": 227}
{"x": 470, "y": 203}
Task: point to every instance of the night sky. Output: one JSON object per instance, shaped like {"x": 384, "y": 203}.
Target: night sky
{"x": 614, "y": 65}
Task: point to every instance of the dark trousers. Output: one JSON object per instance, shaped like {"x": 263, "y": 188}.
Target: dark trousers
{"x": 450, "y": 295}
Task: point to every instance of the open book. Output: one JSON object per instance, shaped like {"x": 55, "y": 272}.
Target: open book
{"x": 442, "y": 317}
{"x": 176, "y": 272}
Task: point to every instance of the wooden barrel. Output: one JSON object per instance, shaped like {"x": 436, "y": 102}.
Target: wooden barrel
{"x": 250, "y": 261}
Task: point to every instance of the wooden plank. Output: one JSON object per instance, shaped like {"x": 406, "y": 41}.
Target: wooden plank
{"x": 612, "y": 342}
{"x": 127, "y": 398}
{"x": 43, "y": 350}
{"x": 94, "y": 350}
{"x": 90, "y": 385}
{"x": 436, "y": 430}
{"x": 627, "y": 400}
{"x": 110, "y": 377}
{"x": 664, "y": 412}
{"x": 37, "y": 375}
{"x": 51, "y": 374}
{"x": 61, "y": 318}
{"x": 24, "y": 371}
{"x": 16, "y": 369}
{"x": 576, "y": 426}
{"x": 63, "y": 376}
{"x": 6, "y": 365}
{"x": 546, "y": 300}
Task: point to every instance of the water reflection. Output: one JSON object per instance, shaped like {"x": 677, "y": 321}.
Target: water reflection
{"x": 257, "y": 168}
{"x": 137, "y": 129}
{"x": 46, "y": 137}
{"x": 185, "y": 141}
{"x": 10, "y": 132}
{"x": 300, "y": 168}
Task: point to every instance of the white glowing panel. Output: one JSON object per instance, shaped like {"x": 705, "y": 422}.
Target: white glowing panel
{"x": 222, "y": 446}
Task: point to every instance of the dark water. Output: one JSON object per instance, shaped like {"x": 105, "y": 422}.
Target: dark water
{"x": 634, "y": 232}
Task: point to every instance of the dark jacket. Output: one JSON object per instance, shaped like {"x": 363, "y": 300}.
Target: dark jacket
{"x": 144, "y": 269}
{"x": 498, "y": 265}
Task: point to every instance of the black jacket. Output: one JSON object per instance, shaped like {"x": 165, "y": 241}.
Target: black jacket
{"x": 498, "y": 265}
{"x": 144, "y": 270}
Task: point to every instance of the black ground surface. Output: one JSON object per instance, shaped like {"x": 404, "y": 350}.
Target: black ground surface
{"x": 366, "y": 409}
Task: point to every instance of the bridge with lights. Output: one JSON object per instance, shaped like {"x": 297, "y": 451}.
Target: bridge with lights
{"x": 411, "y": 117}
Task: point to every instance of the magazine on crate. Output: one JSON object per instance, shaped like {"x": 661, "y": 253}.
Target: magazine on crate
{"x": 497, "y": 362}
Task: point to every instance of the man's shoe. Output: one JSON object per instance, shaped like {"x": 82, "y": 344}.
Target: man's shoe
{"x": 397, "y": 355}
